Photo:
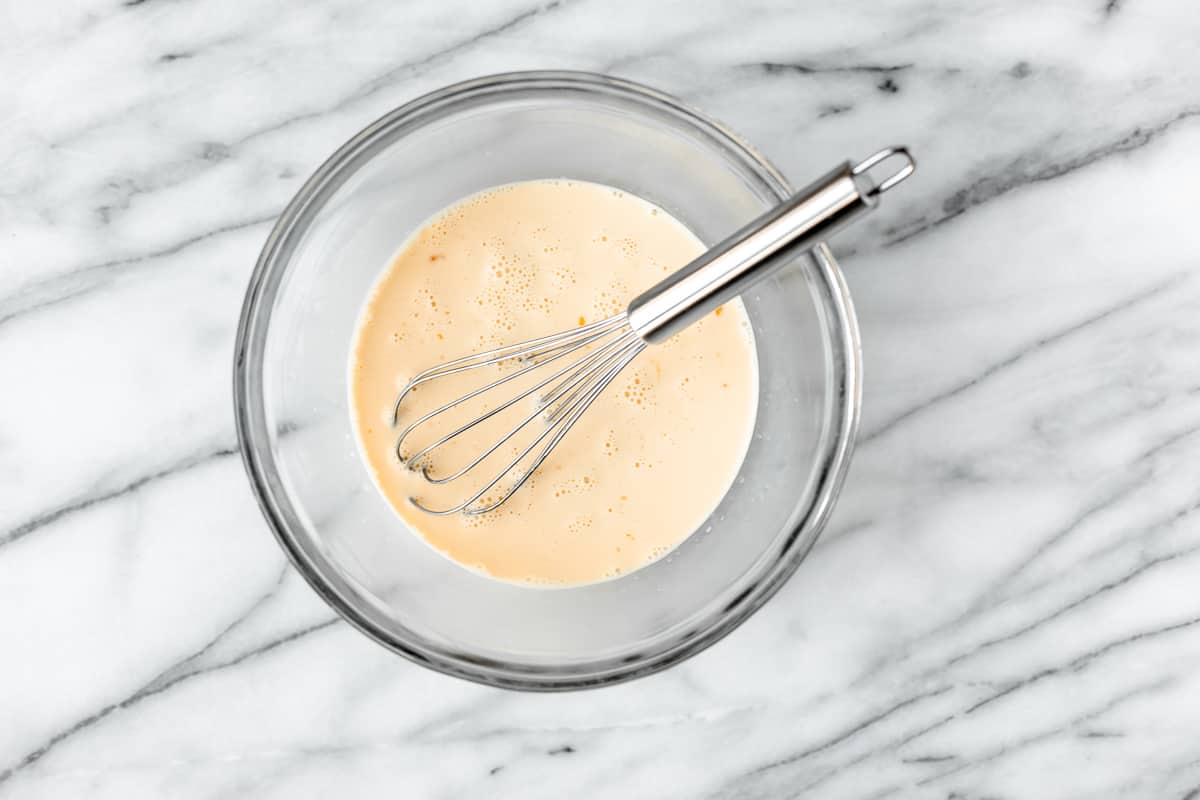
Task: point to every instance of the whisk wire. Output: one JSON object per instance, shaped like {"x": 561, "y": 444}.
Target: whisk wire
{"x": 520, "y": 351}
{"x": 577, "y": 377}
{"x": 558, "y": 352}
{"x": 559, "y": 424}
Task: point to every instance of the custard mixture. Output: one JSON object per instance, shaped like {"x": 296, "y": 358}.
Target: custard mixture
{"x": 651, "y": 458}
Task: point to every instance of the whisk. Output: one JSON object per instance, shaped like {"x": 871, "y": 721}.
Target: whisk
{"x": 603, "y": 349}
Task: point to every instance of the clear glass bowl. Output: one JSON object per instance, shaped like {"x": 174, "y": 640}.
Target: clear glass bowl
{"x": 295, "y": 430}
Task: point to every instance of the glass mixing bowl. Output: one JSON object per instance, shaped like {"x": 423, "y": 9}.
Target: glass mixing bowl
{"x": 294, "y": 424}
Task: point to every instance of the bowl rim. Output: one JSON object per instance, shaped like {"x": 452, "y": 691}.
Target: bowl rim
{"x": 835, "y": 455}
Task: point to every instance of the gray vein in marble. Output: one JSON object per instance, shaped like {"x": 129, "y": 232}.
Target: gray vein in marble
{"x": 993, "y": 595}
{"x": 1154, "y": 526}
{"x": 124, "y": 188}
{"x": 834, "y": 109}
{"x": 991, "y": 598}
{"x": 1076, "y": 665}
{"x": 101, "y": 496}
{"x": 964, "y": 762}
{"x": 737, "y": 788}
{"x": 1027, "y": 169}
{"x": 1145, "y": 478}
{"x": 406, "y": 70}
{"x": 1096, "y": 734}
{"x": 371, "y": 86}
{"x": 853, "y": 731}
{"x": 886, "y": 83}
{"x": 929, "y": 759}
{"x": 816, "y": 68}
{"x": 79, "y": 281}
{"x": 415, "y": 67}
{"x": 39, "y": 295}
{"x": 1025, "y": 742}
{"x": 1088, "y": 596}
{"x": 175, "y": 674}
{"x": 1037, "y": 346}
{"x": 1117, "y": 700}
{"x": 1087, "y": 658}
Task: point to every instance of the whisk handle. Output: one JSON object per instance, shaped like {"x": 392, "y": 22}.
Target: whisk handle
{"x": 758, "y": 249}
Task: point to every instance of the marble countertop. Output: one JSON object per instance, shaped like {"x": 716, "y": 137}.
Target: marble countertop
{"x": 1005, "y": 604}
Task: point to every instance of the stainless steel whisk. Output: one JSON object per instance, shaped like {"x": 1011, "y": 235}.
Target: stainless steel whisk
{"x": 753, "y": 252}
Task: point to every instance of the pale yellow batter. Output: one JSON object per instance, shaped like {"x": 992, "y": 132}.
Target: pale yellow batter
{"x": 650, "y": 459}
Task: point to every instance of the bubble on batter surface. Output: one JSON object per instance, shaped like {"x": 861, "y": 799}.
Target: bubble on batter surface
{"x": 580, "y": 525}
{"x": 570, "y": 487}
{"x": 610, "y": 443}
{"x": 639, "y": 390}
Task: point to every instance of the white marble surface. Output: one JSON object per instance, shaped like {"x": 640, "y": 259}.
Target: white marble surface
{"x": 1007, "y": 602}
